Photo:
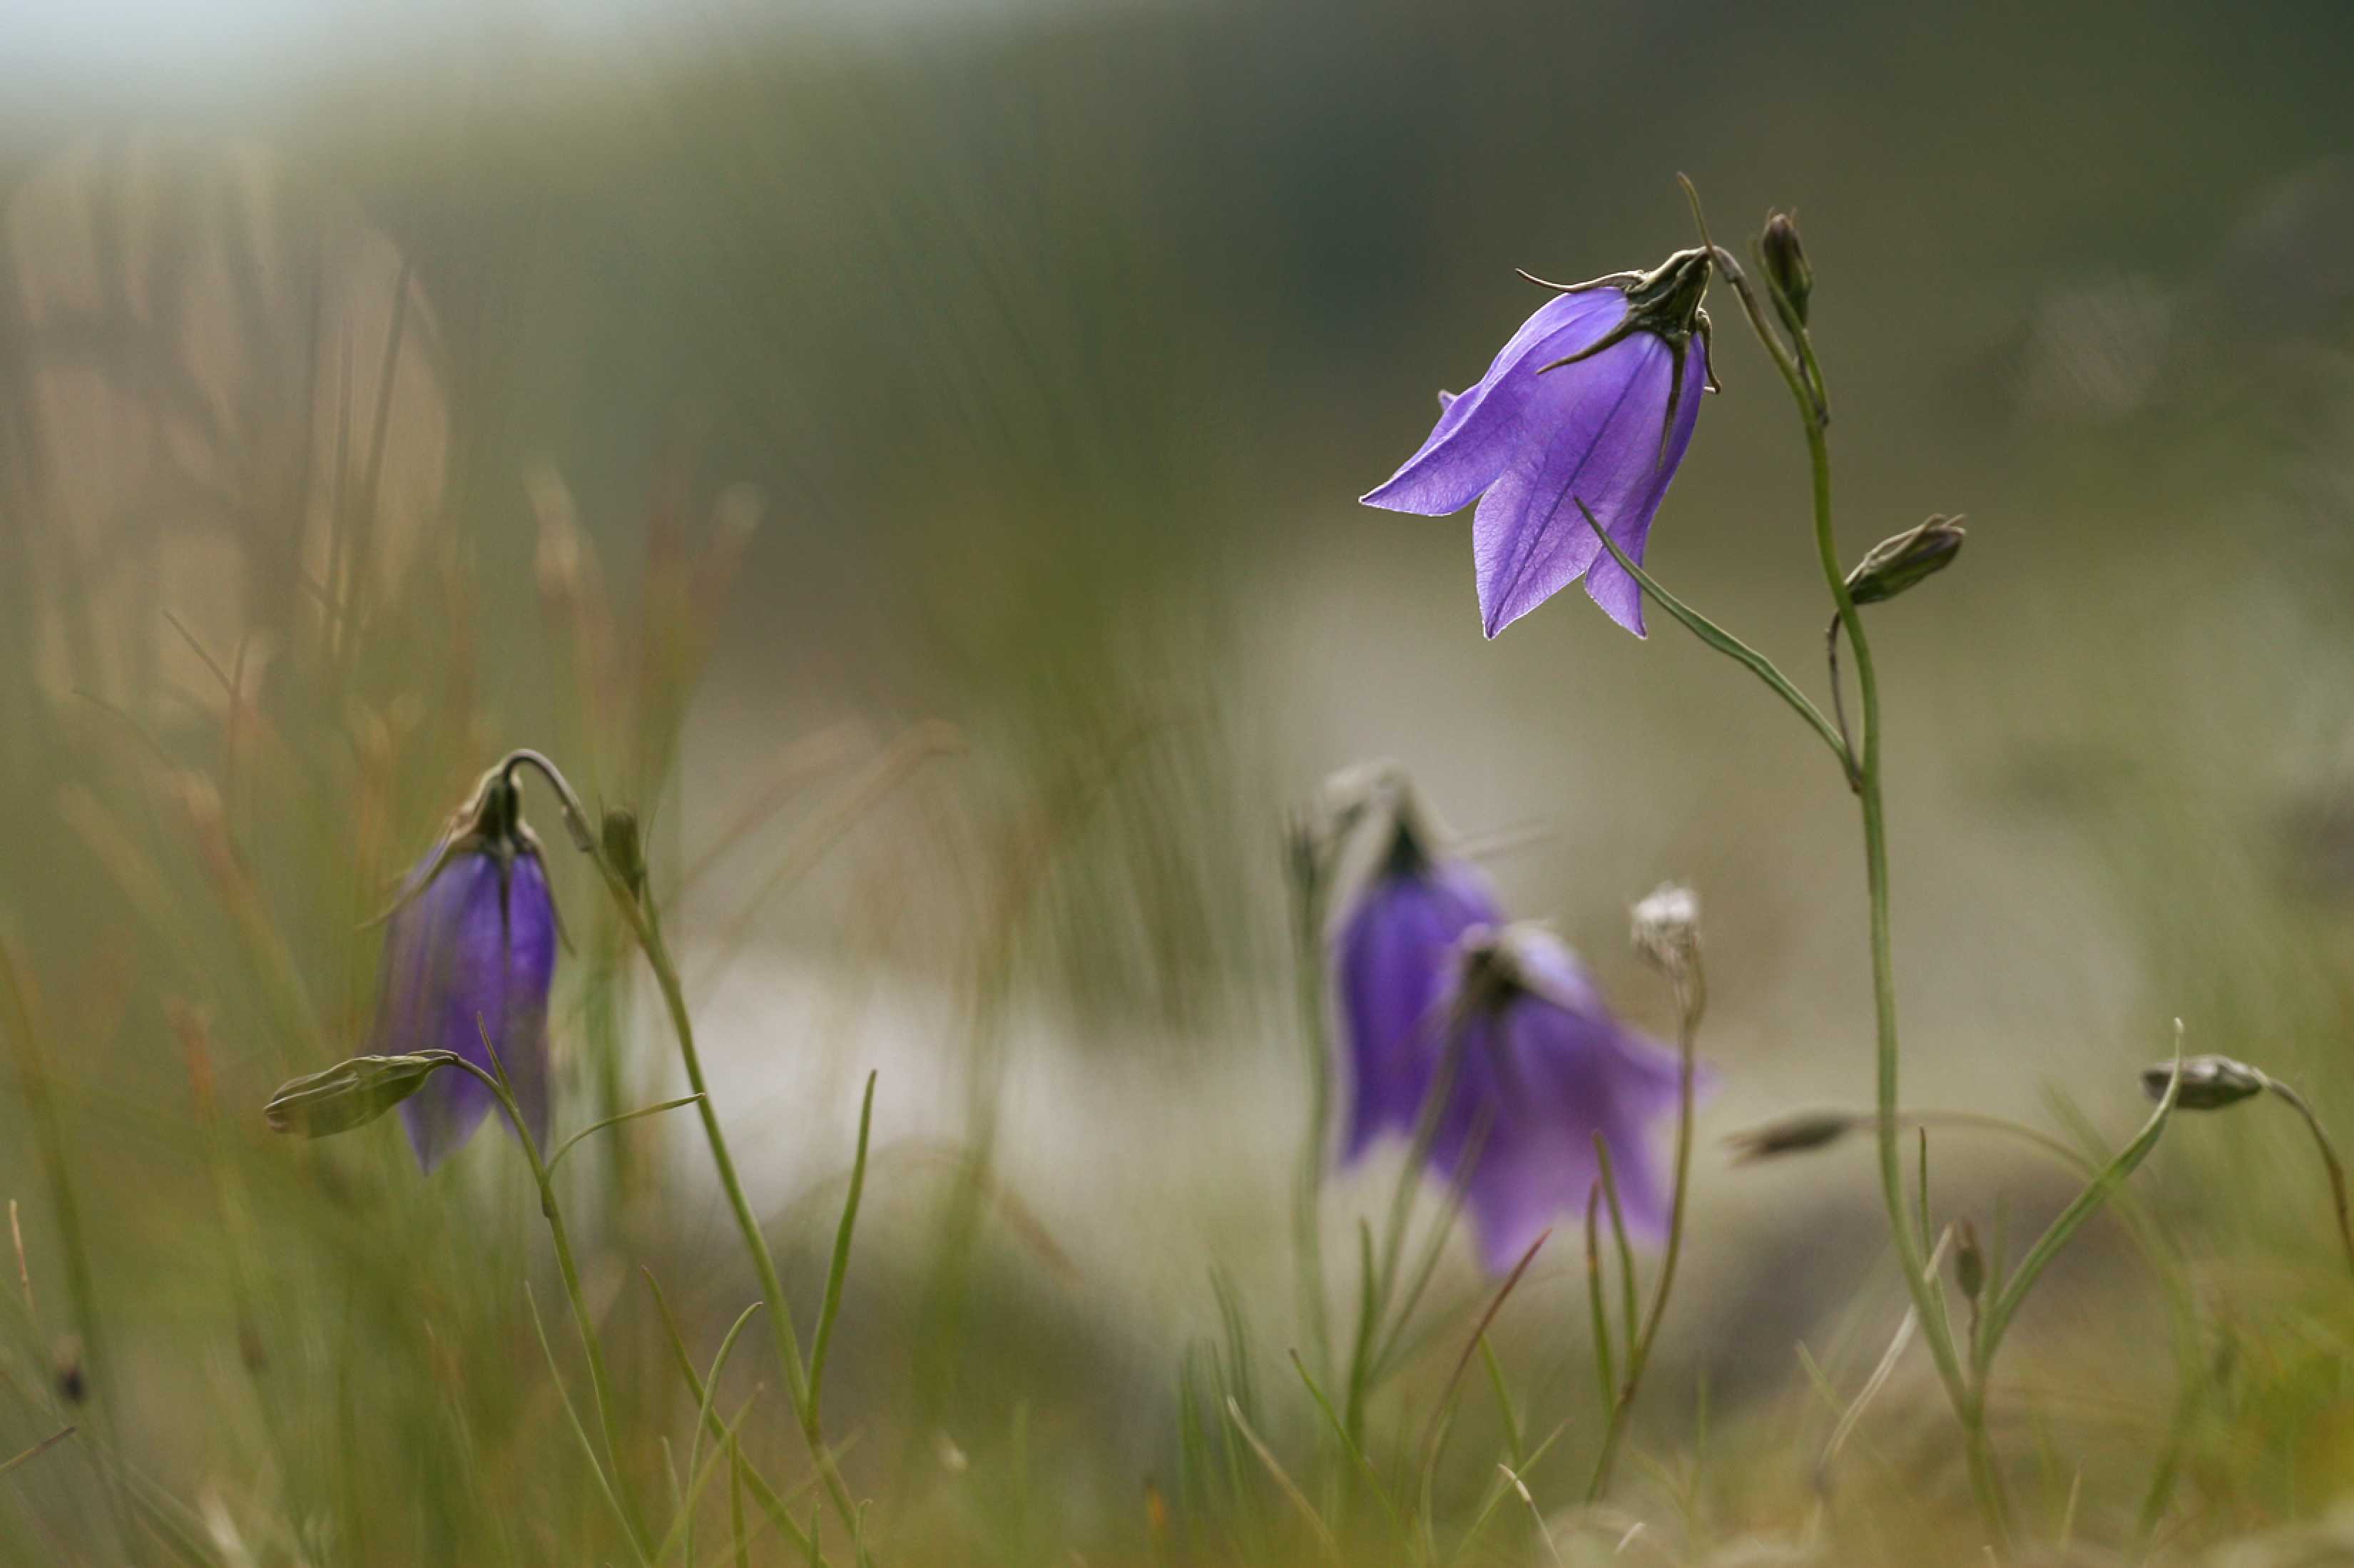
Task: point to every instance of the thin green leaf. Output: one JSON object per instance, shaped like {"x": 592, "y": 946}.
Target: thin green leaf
{"x": 1348, "y": 1445}
{"x": 604, "y": 1482}
{"x": 1322, "y": 1531}
{"x": 566, "y": 1147}
{"x": 1625, "y": 1249}
{"x": 703, "y": 1414}
{"x": 682, "y": 1529}
{"x": 1606, "y": 1371}
{"x": 839, "y": 1269}
{"x": 2087, "y": 1202}
{"x": 772, "y": 1505}
{"x": 1724, "y": 643}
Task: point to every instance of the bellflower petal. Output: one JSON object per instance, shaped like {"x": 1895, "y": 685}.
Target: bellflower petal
{"x": 477, "y": 941}
{"x": 1593, "y": 399}
{"x": 1395, "y": 958}
{"x": 1480, "y": 428}
{"x": 1542, "y": 1067}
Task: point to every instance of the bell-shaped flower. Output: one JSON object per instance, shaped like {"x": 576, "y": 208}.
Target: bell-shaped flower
{"x": 1537, "y": 1065}
{"x": 1592, "y": 403}
{"x": 1393, "y": 960}
{"x": 469, "y": 950}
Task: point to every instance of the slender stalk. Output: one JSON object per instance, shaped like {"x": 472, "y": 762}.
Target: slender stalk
{"x": 1968, "y": 1402}
{"x": 600, "y": 1381}
{"x": 2330, "y": 1160}
{"x": 645, "y": 925}
{"x": 1732, "y": 647}
{"x": 1308, "y": 1197}
{"x": 1689, "y": 998}
{"x": 1801, "y": 372}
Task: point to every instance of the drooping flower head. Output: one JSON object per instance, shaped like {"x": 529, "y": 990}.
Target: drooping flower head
{"x": 1594, "y": 400}
{"x": 1393, "y": 952}
{"x": 470, "y": 949}
{"x": 1538, "y": 1065}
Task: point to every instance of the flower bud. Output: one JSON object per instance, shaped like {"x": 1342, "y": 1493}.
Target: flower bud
{"x": 623, "y": 852}
{"x": 1785, "y": 261}
{"x": 1793, "y": 1134}
{"x": 1667, "y": 928}
{"x": 1894, "y": 565}
{"x": 1969, "y": 1261}
{"x": 350, "y": 1094}
{"x": 2208, "y": 1083}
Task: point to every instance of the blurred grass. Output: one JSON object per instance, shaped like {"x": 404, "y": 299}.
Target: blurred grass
{"x": 1054, "y": 352}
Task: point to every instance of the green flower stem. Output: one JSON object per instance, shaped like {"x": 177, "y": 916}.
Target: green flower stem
{"x": 1928, "y": 1299}
{"x": 645, "y": 925}
{"x": 2329, "y": 1162}
{"x": 600, "y": 1381}
{"x": 1801, "y": 372}
{"x": 1308, "y": 1197}
{"x": 1689, "y": 1000}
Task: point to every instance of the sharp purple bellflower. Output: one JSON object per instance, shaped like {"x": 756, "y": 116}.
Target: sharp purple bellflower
{"x": 472, "y": 937}
{"x": 1594, "y": 400}
{"x": 1539, "y": 1065}
{"x": 1394, "y": 960}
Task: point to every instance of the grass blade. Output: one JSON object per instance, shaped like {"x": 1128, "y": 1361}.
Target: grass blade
{"x": 840, "y": 1267}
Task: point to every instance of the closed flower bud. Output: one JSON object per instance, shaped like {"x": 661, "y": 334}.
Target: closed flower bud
{"x": 349, "y": 1093}
{"x": 1785, "y": 261}
{"x": 2208, "y": 1083}
{"x": 1969, "y": 1261}
{"x": 1894, "y": 565}
{"x": 623, "y": 852}
{"x": 1795, "y": 1134}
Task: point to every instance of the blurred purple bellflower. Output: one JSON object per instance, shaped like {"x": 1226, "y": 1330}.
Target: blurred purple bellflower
{"x": 1393, "y": 953}
{"x": 1540, "y": 1066}
{"x": 469, "y": 948}
{"x": 1594, "y": 400}
{"x": 1436, "y": 993}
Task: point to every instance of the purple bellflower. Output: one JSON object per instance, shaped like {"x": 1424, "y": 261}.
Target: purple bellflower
{"x": 469, "y": 948}
{"x": 1393, "y": 960}
{"x": 1593, "y": 401}
{"x": 1537, "y": 1065}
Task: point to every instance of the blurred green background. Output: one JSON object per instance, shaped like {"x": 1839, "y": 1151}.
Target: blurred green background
{"x": 910, "y": 453}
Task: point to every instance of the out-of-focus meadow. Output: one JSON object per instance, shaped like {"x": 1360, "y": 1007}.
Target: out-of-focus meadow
{"x": 909, "y": 457}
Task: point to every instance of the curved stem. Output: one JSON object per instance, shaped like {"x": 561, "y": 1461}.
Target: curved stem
{"x": 645, "y": 925}
{"x": 2329, "y": 1159}
{"x": 1732, "y": 647}
{"x": 1690, "y": 997}
{"x": 1806, "y": 390}
{"x": 1308, "y": 1207}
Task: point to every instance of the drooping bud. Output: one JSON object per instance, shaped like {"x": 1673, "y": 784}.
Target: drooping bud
{"x": 2208, "y": 1083}
{"x": 1785, "y": 261}
{"x": 1795, "y": 1134}
{"x": 1969, "y": 1262}
{"x": 1895, "y": 565}
{"x": 351, "y": 1093}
